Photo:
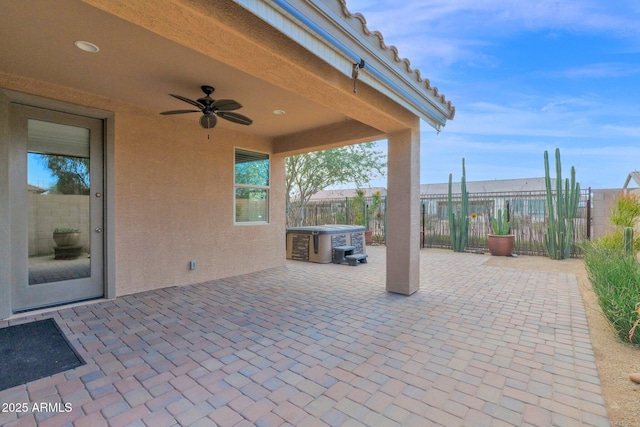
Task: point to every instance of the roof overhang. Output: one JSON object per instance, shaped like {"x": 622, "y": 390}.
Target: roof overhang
{"x": 296, "y": 56}
{"x": 319, "y": 26}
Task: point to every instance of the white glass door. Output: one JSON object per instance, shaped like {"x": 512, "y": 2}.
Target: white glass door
{"x": 60, "y": 208}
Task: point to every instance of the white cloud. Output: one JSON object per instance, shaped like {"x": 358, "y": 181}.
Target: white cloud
{"x": 624, "y": 131}
{"x": 444, "y": 32}
{"x": 498, "y": 16}
{"x": 569, "y": 103}
{"x": 553, "y": 117}
{"x": 602, "y": 70}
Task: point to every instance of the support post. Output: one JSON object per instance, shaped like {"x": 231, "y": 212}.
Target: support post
{"x": 403, "y": 210}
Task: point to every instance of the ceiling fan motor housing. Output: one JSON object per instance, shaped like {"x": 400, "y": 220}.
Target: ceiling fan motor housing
{"x": 208, "y": 121}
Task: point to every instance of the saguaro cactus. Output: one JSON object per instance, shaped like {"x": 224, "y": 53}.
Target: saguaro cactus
{"x": 459, "y": 224}
{"x": 562, "y": 210}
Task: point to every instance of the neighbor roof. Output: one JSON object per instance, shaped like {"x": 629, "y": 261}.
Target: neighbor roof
{"x": 347, "y": 192}
{"x": 635, "y": 175}
{"x": 489, "y": 186}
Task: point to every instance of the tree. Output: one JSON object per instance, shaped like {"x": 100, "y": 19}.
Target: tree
{"x": 312, "y": 172}
{"x": 72, "y": 173}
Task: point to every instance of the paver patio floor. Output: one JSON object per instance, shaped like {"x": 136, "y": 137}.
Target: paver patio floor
{"x": 317, "y": 344}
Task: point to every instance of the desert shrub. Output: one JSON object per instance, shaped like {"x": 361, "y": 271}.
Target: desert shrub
{"x": 614, "y": 241}
{"x": 437, "y": 240}
{"x": 626, "y": 211}
{"x": 615, "y": 278}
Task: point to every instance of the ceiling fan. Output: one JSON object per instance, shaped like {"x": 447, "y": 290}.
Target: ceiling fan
{"x": 211, "y": 108}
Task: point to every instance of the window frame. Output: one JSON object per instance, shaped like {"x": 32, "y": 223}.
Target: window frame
{"x": 266, "y": 188}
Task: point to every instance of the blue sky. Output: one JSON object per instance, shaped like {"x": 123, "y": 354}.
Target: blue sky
{"x": 524, "y": 76}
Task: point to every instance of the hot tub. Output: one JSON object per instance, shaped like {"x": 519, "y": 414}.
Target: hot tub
{"x": 316, "y": 243}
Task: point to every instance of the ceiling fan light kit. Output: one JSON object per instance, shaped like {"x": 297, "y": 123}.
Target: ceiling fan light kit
{"x": 210, "y": 108}
{"x": 208, "y": 121}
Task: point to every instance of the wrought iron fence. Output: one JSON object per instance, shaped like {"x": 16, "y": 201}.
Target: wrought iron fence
{"x": 528, "y": 214}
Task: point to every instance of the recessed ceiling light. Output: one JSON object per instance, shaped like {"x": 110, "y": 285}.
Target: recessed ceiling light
{"x": 278, "y": 112}
{"x": 87, "y": 46}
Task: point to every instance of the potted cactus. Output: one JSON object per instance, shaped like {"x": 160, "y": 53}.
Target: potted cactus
{"x": 501, "y": 242}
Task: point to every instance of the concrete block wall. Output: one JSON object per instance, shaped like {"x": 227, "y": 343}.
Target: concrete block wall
{"x": 636, "y": 192}
{"x": 50, "y": 211}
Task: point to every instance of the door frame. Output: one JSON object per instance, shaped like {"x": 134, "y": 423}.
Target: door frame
{"x": 27, "y": 296}
{"x": 11, "y": 162}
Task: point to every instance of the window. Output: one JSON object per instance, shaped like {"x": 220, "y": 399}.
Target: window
{"x": 251, "y": 187}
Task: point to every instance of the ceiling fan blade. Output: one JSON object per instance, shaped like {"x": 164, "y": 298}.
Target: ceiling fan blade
{"x": 189, "y": 101}
{"x": 226, "y": 105}
{"x": 166, "y": 113}
{"x": 235, "y": 117}
{"x": 208, "y": 121}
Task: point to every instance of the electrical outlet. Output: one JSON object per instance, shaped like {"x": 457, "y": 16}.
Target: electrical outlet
{"x": 192, "y": 265}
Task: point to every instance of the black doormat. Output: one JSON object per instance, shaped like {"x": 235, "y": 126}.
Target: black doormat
{"x": 35, "y": 350}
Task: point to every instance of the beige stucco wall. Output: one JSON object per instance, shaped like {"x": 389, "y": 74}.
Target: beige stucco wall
{"x": 174, "y": 196}
{"x": 174, "y": 203}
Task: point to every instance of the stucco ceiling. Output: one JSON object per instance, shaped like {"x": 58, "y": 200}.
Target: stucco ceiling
{"x": 138, "y": 67}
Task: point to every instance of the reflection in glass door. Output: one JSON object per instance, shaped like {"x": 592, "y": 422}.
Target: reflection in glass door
{"x": 58, "y": 214}
{"x": 62, "y": 214}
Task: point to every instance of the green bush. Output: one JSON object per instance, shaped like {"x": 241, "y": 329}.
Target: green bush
{"x": 437, "y": 240}
{"x": 616, "y": 282}
{"x": 626, "y": 211}
{"x": 614, "y": 241}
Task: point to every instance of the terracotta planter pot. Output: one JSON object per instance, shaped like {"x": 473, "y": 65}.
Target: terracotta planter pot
{"x": 368, "y": 237}
{"x": 501, "y": 245}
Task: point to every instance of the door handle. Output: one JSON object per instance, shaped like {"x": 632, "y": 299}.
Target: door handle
{"x": 98, "y": 230}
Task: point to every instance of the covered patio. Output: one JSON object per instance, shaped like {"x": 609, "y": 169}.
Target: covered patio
{"x": 322, "y": 344}
{"x": 164, "y": 199}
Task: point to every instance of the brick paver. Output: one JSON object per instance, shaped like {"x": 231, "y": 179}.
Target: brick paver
{"x": 317, "y": 344}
